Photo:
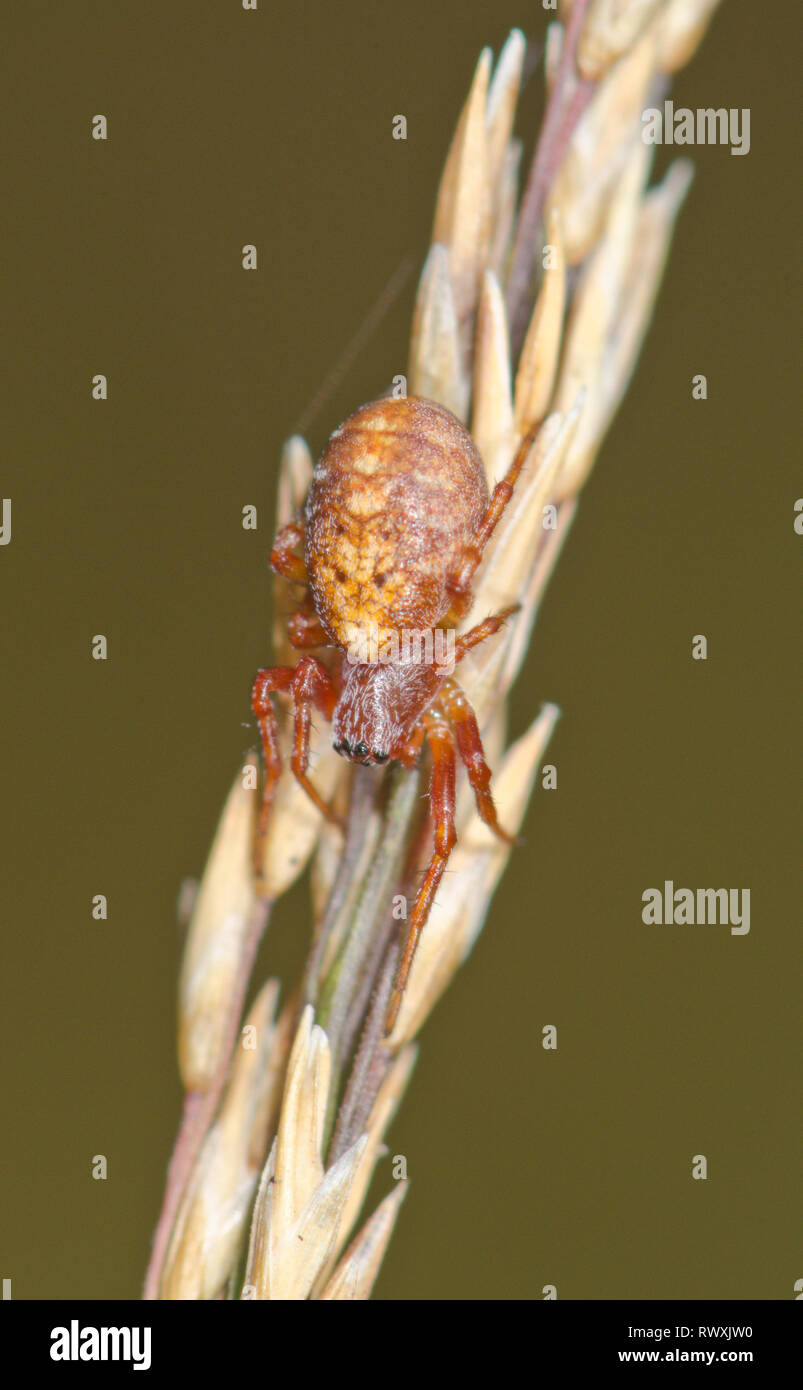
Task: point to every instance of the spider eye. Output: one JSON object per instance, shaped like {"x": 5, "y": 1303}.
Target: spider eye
{"x": 361, "y": 750}
{"x": 381, "y": 757}
{"x": 341, "y": 746}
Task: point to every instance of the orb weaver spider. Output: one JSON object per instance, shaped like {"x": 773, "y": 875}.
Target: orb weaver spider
{"x": 396, "y": 521}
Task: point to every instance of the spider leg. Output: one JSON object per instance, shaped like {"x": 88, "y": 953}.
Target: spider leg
{"x": 312, "y": 685}
{"x": 442, "y": 800}
{"x": 305, "y": 630}
{"x": 282, "y": 559}
{"x": 478, "y": 634}
{"x": 309, "y": 683}
{"x": 271, "y": 678}
{"x": 408, "y": 753}
{"x": 456, "y": 706}
{"x": 459, "y": 585}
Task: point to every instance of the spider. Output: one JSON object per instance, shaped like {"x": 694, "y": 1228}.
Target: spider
{"x": 396, "y": 521}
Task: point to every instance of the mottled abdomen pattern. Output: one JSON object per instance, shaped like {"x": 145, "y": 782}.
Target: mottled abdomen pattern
{"x": 397, "y": 493}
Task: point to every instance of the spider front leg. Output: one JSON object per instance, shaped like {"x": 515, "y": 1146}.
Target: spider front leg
{"x": 310, "y": 685}
{"x": 442, "y": 801}
{"x": 455, "y": 704}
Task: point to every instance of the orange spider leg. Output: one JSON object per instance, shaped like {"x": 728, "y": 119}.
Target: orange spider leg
{"x": 282, "y": 559}
{"x": 459, "y": 585}
{"x": 408, "y": 753}
{"x": 478, "y": 634}
{"x": 456, "y": 706}
{"x": 305, "y": 630}
{"x": 442, "y": 800}
{"x": 310, "y": 684}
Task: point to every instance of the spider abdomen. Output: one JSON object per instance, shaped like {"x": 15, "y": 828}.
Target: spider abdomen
{"x": 398, "y": 493}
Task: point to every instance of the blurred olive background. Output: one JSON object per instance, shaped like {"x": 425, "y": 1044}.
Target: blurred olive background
{"x": 528, "y": 1167}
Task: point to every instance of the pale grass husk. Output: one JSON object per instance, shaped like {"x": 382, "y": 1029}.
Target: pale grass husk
{"x": 294, "y": 1138}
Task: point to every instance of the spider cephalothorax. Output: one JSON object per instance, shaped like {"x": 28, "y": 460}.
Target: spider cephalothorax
{"x": 378, "y": 706}
{"x": 395, "y": 524}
